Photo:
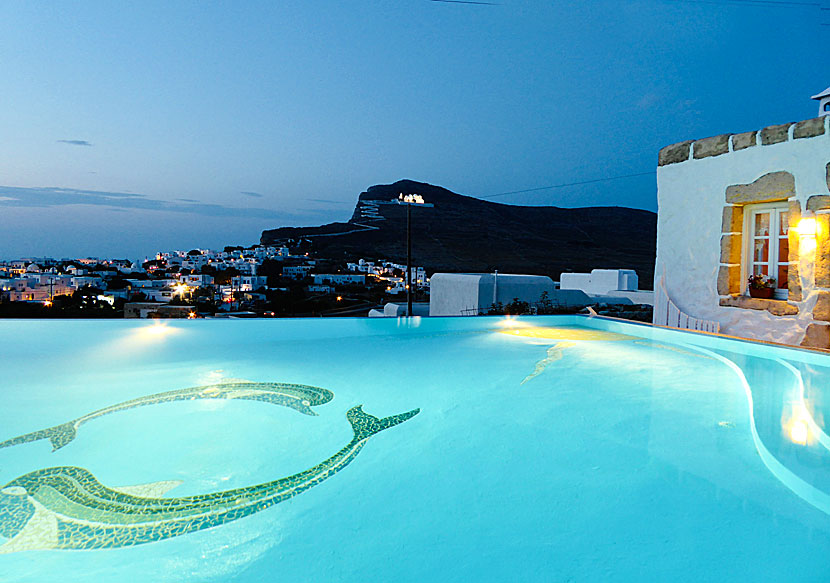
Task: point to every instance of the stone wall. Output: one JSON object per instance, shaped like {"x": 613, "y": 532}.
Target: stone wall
{"x": 703, "y": 187}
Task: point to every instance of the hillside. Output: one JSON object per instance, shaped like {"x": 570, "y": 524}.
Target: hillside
{"x": 461, "y": 233}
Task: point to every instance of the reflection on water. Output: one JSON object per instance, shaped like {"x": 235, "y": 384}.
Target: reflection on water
{"x": 787, "y": 437}
{"x": 798, "y": 431}
{"x": 781, "y": 425}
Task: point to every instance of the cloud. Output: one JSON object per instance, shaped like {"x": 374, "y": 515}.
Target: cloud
{"x": 46, "y": 197}
{"x": 327, "y": 201}
{"x": 647, "y": 101}
{"x": 187, "y": 199}
{"x": 75, "y": 142}
{"x": 248, "y": 193}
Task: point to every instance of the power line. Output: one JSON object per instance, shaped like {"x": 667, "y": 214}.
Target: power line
{"x": 571, "y": 184}
{"x": 768, "y": 3}
{"x": 771, "y": 3}
{"x": 466, "y": 2}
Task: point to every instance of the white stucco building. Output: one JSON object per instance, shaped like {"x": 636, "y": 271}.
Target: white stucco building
{"x": 340, "y": 278}
{"x": 608, "y": 286}
{"x": 471, "y": 294}
{"x": 248, "y": 282}
{"x": 735, "y": 205}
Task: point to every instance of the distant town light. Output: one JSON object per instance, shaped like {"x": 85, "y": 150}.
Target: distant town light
{"x": 339, "y": 298}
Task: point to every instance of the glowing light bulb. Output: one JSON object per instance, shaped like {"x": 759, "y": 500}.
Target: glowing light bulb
{"x": 806, "y": 228}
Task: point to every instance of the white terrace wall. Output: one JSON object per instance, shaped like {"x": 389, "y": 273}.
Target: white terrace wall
{"x": 703, "y": 186}
{"x": 470, "y": 294}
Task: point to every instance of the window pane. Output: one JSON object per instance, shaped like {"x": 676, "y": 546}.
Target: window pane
{"x": 783, "y": 250}
{"x": 761, "y": 224}
{"x": 760, "y": 269}
{"x": 782, "y": 277}
{"x": 783, "y": 223}
{"x": 761, "y": 250}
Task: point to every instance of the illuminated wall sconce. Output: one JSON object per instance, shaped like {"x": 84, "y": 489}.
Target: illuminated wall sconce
{"x": 807, "y": 225}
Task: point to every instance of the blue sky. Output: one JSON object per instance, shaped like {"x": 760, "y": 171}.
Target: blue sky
{"x": 129, "y": 127}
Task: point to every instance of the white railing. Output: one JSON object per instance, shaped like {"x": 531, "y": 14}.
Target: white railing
{"x": 666, "y": 313}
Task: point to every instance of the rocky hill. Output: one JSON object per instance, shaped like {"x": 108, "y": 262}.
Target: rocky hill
{"x": 460, "y": 233}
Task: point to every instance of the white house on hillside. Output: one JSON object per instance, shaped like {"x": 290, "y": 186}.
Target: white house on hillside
{"x": 736, "y": 205}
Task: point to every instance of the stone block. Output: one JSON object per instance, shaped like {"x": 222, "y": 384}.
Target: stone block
{"x": 795, "y": 213}
{"x": 774, "y": 307}
{"x": 733, "y": 219}
{"x": 775, "y": 134}
{"x": 822, "y": 309}
{"x": 769, "y": 187}
{"x": 818, "y": 202}
{"x": 729, "y": 279}
{"x": 714, "y": 146}
{"x": 817, "y": 336}
{"x": 822, "y": 270}
{"x": 809, "y": 128}
{"x": 730, "y": 249}
{"x": 744, "y": 140}
{"x": 675, "y": 153}
{"x": 794, "y": 292}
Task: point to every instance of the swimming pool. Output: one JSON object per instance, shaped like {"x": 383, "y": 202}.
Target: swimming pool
{"x": 438, "y": 449}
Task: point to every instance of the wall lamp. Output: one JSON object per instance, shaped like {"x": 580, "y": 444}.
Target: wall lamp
{"x": 807, "y": 225}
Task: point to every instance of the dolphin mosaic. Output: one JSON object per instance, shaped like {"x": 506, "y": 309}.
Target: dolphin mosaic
{"x": 298, "y": 397}
{"x": 68, "y": 508}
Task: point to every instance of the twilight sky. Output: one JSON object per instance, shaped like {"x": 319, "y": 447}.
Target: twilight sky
{"x": 127, "y": 128}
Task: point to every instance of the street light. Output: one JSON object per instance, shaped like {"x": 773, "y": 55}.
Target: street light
{"x": 410, "y": 200}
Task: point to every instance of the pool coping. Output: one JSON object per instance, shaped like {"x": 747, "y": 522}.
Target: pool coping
{"x": 810, "y": 349}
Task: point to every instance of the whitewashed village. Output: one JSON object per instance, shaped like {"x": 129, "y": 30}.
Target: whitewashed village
{"x": 172, "y": 284}
{"x": 175, "y": 284}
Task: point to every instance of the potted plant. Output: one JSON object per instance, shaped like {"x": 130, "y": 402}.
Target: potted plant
{"x": 761, "y": 286}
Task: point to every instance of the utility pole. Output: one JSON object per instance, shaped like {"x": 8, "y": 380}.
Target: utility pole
{"x": 409, "y": 259}
{"x": 410, "y": 200}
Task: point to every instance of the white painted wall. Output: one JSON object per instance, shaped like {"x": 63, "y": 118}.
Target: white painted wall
{"x": 691, "y": 197}
{"x": 600, "y": 281}
{"x": 457, "y": 294}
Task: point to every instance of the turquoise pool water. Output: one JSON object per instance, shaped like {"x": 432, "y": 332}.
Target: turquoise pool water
{"x": 537, "y": 449}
